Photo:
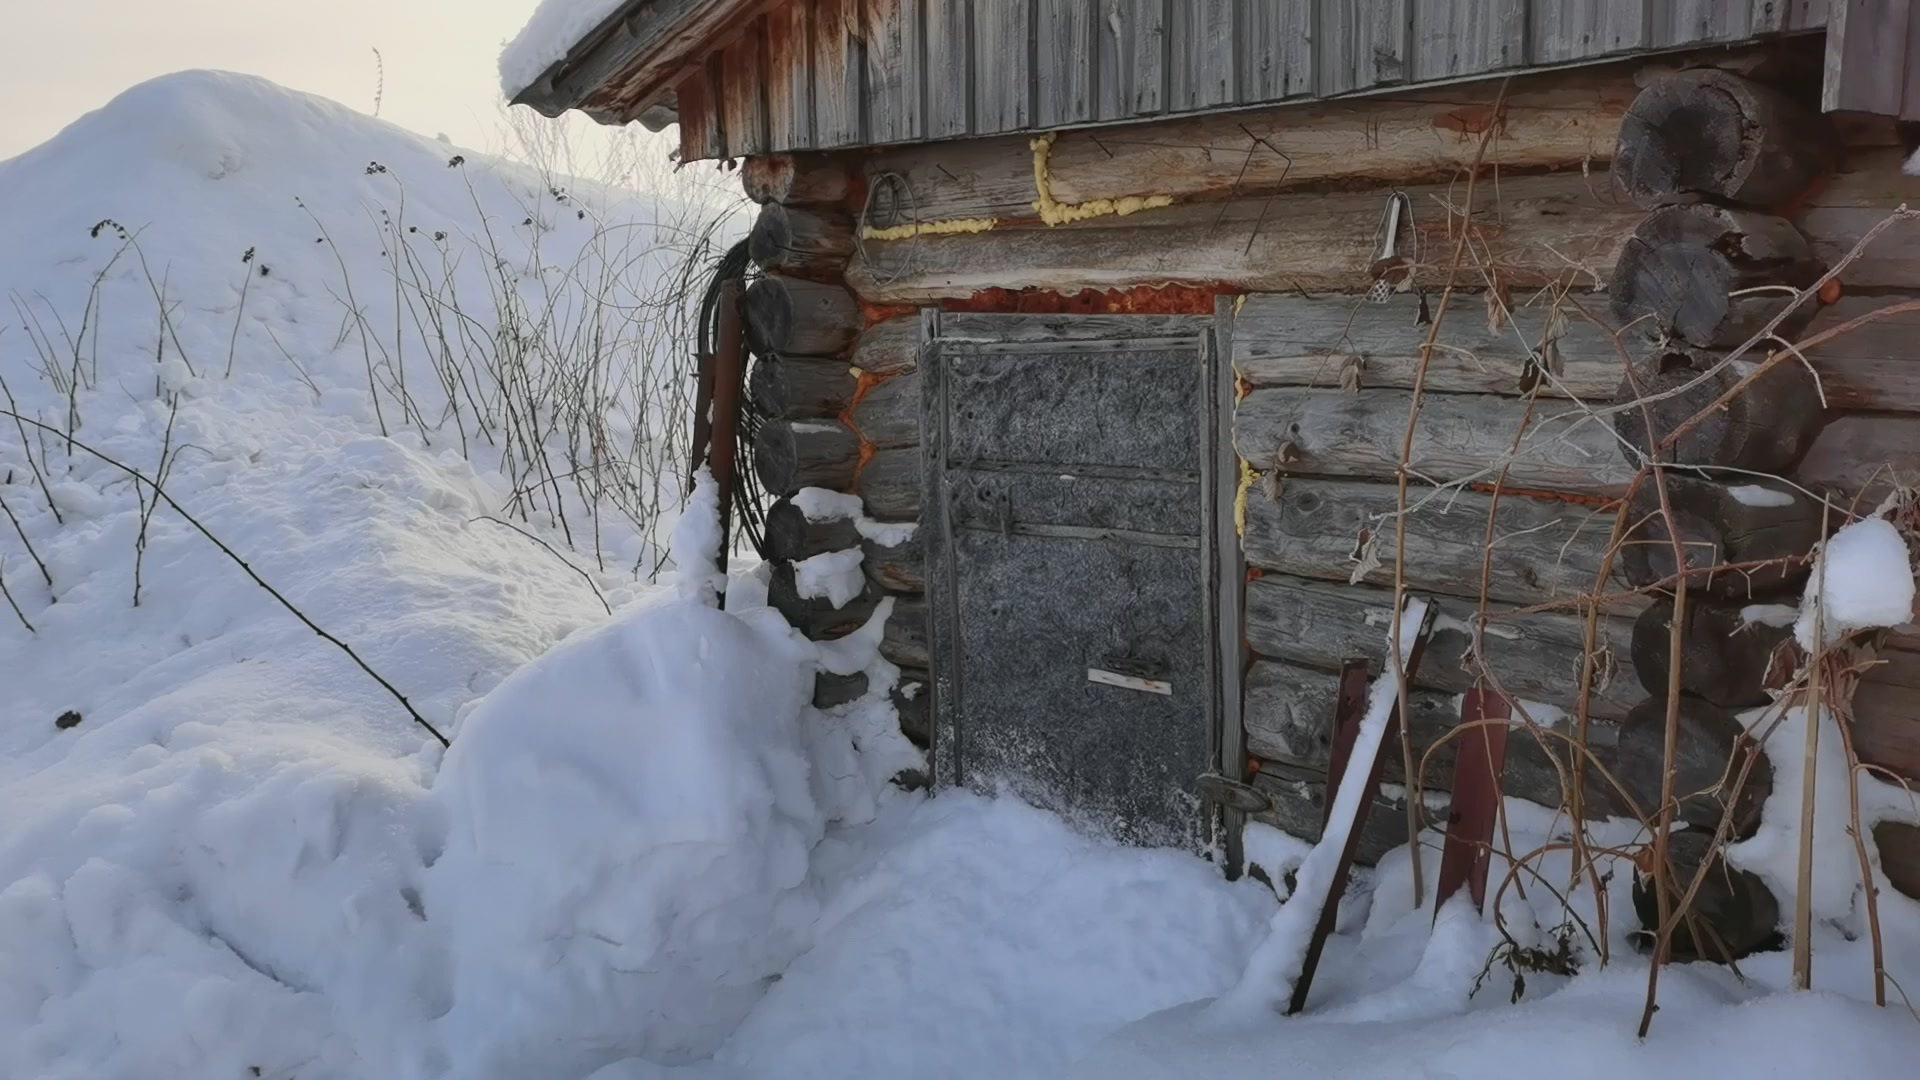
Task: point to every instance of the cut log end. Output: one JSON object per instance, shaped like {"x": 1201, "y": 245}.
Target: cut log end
{"x": 1690, "y": 272}
{"x": 1766, "y": 426}
{"x": 1725, "y": 659}
{"x": 794, "y": 316}
{"x": 792, "y": 454}
{"x": 1734, "y": 912}
{"x": 1741, "y": 521}
{"x": 1710, "y": 135}
{"x": 1710, "y": 757}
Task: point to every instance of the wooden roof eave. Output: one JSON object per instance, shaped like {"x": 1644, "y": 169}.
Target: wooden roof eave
{"x": 624, "y": 69}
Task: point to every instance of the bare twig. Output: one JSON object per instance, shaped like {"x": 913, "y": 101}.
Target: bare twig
{"x": 584, "y": 576}
{"x": 161, "y": 494}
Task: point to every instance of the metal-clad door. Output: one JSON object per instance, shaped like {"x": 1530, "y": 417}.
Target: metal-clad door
{"x": 1069, "y": 603}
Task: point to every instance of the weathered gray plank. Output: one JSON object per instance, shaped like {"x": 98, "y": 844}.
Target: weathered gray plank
{"x": 743, "y": 110}
{"x": 1229, "y": 569}
{"x": 790, "y": 76}
{"x": 1002, "y": 66}
{"x": 1276, "y": 50}
{"x": 1119, "y": 331}
{"x": 1465, "y": 37}
{"x": 1685, "y": 22}
{"x": 1535, "y": 657}
{"x": 1146, "y": 22}
{"x": 1867, "y": 56}
{"x": 1543, "y": 549}
{"x": 1064, "y": 61}
{"x": 949, "y": 68}
{"x": 1362, "y": 43}
{"x": 895, "y": 112}
{"x": 1290, "y": 720}
{"x": 701, "y": 135}
{"x": 1562, "y": 30}
{"x": 1202, "y": 53}
{"x": 1345, "y": 342}
{"x": 836, "y": 74}
{"x": 1459, "y": 438}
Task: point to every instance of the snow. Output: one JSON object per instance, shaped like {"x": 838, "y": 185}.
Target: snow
{"x": 555, "y": 27}
{"x": 1862, "y": 578}
{"x": 1758, "y": 495}
{"x": 833, "y": 575}
{"x": 819, "y": 504}
{"x": 645, "y": 853}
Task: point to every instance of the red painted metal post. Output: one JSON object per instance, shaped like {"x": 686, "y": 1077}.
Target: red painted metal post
{"x": 729, "y": 375}
{"x": 1475, "y": 809}
{"x": 1349, "y": 702}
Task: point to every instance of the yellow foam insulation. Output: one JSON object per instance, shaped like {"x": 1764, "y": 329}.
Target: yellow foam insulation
{"x": 1248, "y": 478}
{"x": 928, "y": 228}
{"x": 1054, "y": 212}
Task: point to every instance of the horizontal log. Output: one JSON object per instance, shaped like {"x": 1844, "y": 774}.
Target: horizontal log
{"x": 812, "y": 244}
{"x": 1885, "y": 730}
{"x": 1898, "y": 845}
{"x": 792, "y": 536}
{"x": 1709, "y": 757}
{"x": 912, "y": 697}
{"x": 1536, "y": 657}
{"x": 792, "y": 454}
{"x": 1869, "y": 185}
{"x": 905, "y": 639}
{"x": 896, "y": 567}
{"x": 816, "y": 617}
{"x": 1459, "y": 437}
{"x": 1289, "y": 719}
{"x": 1543, "y": 549}
{"x": 1702, "y": 274}
{"x": 830, "y": 690}
{"x": 1734, "y": 909}
{"x": 811, "y": 180}
{"x": 1545, "y": 121}
{"x": 889, "y": 485}
{"x": 1346, "y": 343}
{"x": 887, "y": 416}
{"x": 1297, "y": 799}
{"x": 1528, "y": 231}
{"x": 800, "y": 387}
{"x": 1873, "y": 367}
{"x": 1725, "y": 659}
{"x": 1765, "y": 427}
{"x": 1862, "y": 455}
{"x": 796, "y": 317}
{"x": 1737, "y": 519}
{"x": 1705, "y": 134}
{"x": 889, "y": 347}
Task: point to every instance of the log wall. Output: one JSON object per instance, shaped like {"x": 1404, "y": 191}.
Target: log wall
{"x": 1515, "y": 423}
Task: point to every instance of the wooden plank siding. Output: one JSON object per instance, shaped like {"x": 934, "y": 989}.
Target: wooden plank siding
{"x": 842, "y": 73}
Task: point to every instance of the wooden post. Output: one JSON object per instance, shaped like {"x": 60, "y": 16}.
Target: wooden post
{"x": 1475, "y": 807}
{"x": 729, "y": 360}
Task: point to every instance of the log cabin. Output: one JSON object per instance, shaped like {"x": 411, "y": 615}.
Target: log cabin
{"x": 1191, "y": 332}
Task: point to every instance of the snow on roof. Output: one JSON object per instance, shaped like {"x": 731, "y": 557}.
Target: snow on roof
{"x": 556, "y": 27}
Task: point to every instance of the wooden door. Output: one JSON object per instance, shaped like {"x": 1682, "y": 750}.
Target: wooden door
{"x": 1070, "y": 560}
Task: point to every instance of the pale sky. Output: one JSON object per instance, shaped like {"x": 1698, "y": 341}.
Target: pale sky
{"x": 62, "y": 58}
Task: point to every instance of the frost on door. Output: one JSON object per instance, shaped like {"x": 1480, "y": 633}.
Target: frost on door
{"x": 1068, "y": 597}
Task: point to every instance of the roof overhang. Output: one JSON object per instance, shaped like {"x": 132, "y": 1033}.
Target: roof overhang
{"x": 624, "y": 69}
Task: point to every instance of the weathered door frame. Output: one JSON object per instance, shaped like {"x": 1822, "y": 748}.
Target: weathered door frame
{"x": 1218, "y": 470}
